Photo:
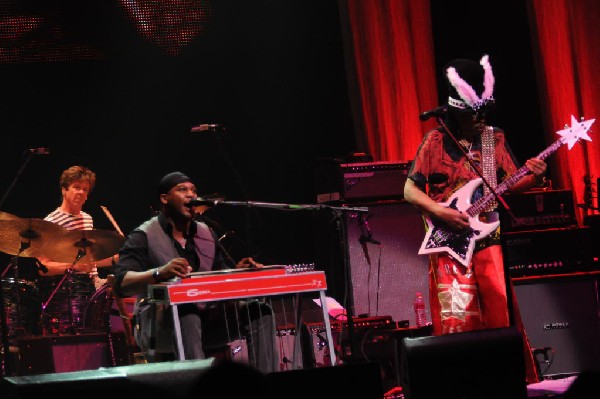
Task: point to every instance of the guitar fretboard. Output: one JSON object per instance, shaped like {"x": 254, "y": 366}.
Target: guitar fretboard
{"x": 483, "y": 203}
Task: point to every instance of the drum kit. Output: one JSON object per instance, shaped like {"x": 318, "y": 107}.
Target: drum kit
{"x": 49, "y": 304}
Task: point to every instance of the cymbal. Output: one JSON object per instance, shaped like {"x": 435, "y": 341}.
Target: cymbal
{"x": 8, "y": 216}
{"x": 27, "y": 235}
{"x": 93, "y": 245}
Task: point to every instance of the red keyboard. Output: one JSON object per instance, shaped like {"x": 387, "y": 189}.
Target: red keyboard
{"x": 235, "y": 284}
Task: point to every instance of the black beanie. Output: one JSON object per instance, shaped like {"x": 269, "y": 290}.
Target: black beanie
{"x": 171, "y": 180}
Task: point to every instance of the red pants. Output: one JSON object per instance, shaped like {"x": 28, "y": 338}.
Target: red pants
{"x": 474, "y": 298}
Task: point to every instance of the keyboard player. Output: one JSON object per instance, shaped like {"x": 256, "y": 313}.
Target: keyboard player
{"x": 170, "y": 245}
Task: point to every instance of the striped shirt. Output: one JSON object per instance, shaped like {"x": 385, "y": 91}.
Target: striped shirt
{"x": 83, "y": 221}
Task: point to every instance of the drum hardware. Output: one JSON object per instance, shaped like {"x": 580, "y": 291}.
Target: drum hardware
{"x": 88, "y": 245}
{"x": 22, "y": 237}
{"x": 7, "y": 245}
{"x": 91, "y": 245}
{"x": 67, "y": 276}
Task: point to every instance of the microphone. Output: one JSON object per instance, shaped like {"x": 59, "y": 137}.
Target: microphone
{"x": 39, "y": 151}
{"x": 202, "y": 201}
{"x": 367, "y": 234}
{"x": 210, "y": 127}
{"x": 439, "y": 111}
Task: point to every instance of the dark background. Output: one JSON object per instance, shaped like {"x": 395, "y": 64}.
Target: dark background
{"x": 272, "y": 72}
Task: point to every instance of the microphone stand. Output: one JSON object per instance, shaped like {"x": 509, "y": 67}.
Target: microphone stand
{"x": 29, "y": 155}
{"x": 341, "y": 231}
{"x": 507, "y": 281}
{"x": 200, "y": 218}
{"x": 366, "y": 237}
{"x": 5, "y": 363}
{"x": 238, "y": 178}
{"x": 6, "y": 366}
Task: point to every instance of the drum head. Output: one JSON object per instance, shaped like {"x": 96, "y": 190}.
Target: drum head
{"x": 98, "y": 310}
{"x": 65, "y": 302}
{"x": 22, "y": 307}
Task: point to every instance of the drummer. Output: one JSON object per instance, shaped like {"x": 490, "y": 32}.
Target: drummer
{"x": 76, "y": 183}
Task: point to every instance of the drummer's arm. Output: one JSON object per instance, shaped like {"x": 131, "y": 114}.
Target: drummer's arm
{"x": 107, "y": 262}
{"x": 55, "y": 268}
{"x": 102, "y": 263}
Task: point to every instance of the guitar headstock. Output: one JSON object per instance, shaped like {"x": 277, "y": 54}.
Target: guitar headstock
{"x": 578, "y": 130}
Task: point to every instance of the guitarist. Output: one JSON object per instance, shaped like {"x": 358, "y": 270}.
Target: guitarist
{"x": 473, "y": 297}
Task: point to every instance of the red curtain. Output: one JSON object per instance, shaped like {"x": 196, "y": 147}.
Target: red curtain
{"x": 566, "y": 43}
{"x": 395, "y": 73}
{"x": 392, "y": 46}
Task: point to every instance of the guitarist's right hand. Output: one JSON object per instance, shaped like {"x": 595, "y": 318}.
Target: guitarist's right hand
{"x": 455, "y": 219}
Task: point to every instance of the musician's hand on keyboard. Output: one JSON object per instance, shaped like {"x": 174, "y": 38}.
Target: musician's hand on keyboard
{"x": 178, "y": 267}
{"x": 246, "y": 263}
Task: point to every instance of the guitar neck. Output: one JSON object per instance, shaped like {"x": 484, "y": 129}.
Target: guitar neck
{"x": 484, "y": 202}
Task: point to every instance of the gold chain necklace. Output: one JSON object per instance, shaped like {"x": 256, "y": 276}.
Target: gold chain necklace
{"x": 468, "y": 146}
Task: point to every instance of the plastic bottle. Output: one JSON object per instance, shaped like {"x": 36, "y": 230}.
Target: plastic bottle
{"x": 420, "y": 315}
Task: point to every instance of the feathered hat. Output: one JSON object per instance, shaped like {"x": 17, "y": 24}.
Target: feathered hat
{"x": 470, "y": 84}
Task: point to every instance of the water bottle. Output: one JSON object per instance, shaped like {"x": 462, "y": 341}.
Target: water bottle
{"x": 420, "y": 315}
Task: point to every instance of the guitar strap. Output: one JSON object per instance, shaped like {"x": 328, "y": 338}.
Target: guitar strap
{"x": 488, "y": 163}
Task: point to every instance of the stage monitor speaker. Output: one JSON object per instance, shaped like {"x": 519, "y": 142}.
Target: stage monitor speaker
{"x": 153, "y": 380}
{"x": 67, "y": 353}
{"x": 387, "y": 285}
{"x": 343, "y": 381}
{"x": 471, "y": 365}
{"x": 561, "y": 318}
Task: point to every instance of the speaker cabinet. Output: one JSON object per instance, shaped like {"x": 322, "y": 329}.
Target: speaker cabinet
{"x": 471, "y": 365}
{"x": 384, "y": 277}
{"x": 68, "y": 353}
{"x": 387, "y": 284}
{"x": 561, "y": 317}
{"x": 154, "y": 380}
{"x": 343, "y": 381}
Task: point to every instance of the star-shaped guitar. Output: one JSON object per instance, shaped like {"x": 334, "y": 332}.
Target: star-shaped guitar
{"x": 461, "y": 244}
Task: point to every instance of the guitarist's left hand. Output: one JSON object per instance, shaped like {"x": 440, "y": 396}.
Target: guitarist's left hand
{"x": 536, "y": 166}
{"x": 536, "y": 178}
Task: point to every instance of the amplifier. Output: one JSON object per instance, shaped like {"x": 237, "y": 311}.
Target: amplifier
{"x": 68, "y": 353}
{"x": 290, "y": 358}
{"x": 376, "y": 339}
{"x": 534, "y": 210}
{"x": 348, "y": 182}
{"x": 549, "y": 251}
{"x": 315, "y": 349}
{"x": 562, "y": 319}
{"x": 593, "y": 221}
